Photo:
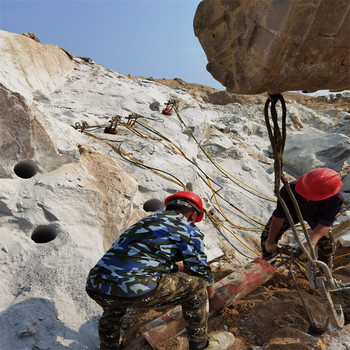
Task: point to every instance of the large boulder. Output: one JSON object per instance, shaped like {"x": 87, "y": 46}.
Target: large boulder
{"x": 271, "y": 45}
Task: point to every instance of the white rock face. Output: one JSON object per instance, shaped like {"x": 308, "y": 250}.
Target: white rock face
{"x": 28, "y": 66}
{"x": 85, "y": 191}
{"x": 346, "y": 183}
{"x": 305, "y": 152}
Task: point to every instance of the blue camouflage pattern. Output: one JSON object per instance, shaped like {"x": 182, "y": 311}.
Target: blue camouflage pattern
{"x": 146, "y": 251}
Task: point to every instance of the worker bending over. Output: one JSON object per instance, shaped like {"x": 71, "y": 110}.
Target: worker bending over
{"x": 140, "y": 271}
{"x": 318, "y": 195}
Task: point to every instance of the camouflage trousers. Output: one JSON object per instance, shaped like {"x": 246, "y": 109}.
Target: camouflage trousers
{"x": 173, "y": 289}
{"x": 325, "y": 245}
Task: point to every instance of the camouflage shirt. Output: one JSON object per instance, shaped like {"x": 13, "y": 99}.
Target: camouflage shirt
{"x": 145, "y": 251}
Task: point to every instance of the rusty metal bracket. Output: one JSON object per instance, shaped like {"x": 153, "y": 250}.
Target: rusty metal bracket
{"x": 131, "y": 119}
{"x": 112, "y": 128}
{"x": 172, "y": 103}
{"x": 81, "y": 127}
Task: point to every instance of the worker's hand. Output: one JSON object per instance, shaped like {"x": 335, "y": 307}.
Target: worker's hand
{"x": 180, "y": 266}
{"x": 216, "y": 304}
{"x": 271, "y": 247}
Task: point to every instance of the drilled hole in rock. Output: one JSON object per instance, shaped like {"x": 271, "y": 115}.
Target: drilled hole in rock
{"x": 152, "y": 205}
{"x": 44, "y": 234}
{"x": 189, "y": 186}
{"x": 25, "y": 169}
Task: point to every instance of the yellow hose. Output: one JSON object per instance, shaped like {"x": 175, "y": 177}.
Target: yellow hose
{"x": 135, "y": 160}
{"x": 225, "y": 171}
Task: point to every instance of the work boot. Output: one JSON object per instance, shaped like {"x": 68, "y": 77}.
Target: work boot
{"x": 220, "y": 341}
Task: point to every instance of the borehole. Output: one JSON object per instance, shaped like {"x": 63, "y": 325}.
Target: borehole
{"x": 44, "y": 234}
{"x": 25, "y": 169}
{"x": 152, "y": 205}
{"x": 189, "y": 186}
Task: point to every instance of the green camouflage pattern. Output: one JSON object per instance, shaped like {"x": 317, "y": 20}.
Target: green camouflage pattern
{"x": 173, "y": 289}
{"x": 135, "y": 263}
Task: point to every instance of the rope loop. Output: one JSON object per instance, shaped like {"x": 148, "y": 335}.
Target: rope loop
{"x": 277, "y": 135}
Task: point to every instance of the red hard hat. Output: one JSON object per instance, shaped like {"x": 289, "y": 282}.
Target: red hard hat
{"x": 190, "y": 197}
{"x": 319, "y": 184}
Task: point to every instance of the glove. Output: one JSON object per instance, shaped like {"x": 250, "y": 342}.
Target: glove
{"x": 271, "y": 247}
{"x": 216, "y": 304}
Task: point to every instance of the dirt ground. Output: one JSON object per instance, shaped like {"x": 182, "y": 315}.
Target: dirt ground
{"x": 272, "y": 316}
{"x": 214, "y": 96}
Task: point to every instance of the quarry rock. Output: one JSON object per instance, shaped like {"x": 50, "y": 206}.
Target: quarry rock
{"x": 275, "y": 46}
{"x": 67, "y": 195}
{"x": 306, "y": 152}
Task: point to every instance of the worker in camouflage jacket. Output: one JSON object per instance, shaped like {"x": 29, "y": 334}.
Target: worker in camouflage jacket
{"x": 319, "y": 199}
{"x": 141, "y": 270}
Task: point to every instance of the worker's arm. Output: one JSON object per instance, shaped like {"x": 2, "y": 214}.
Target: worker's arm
{"x": 181, "y": 267}
{"x": 193, "y": 256}
{"x": 318, "y": 232}
{"x": 216, "y": 303}
{"x": 275, "y": 225}
{"x": 210, "y": 291}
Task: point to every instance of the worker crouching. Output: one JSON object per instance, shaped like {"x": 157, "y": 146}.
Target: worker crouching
{"x": 320, "y": 200}
{"x": 140, "y": 271}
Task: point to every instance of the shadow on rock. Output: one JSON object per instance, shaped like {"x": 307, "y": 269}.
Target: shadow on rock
{"x": 33, "y": 324}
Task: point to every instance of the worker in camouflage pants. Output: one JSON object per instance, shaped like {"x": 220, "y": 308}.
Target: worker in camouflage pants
{"x": 141, "y": 270}
{"x": 171, "y": 287}
{"x": 320, "y": 200}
